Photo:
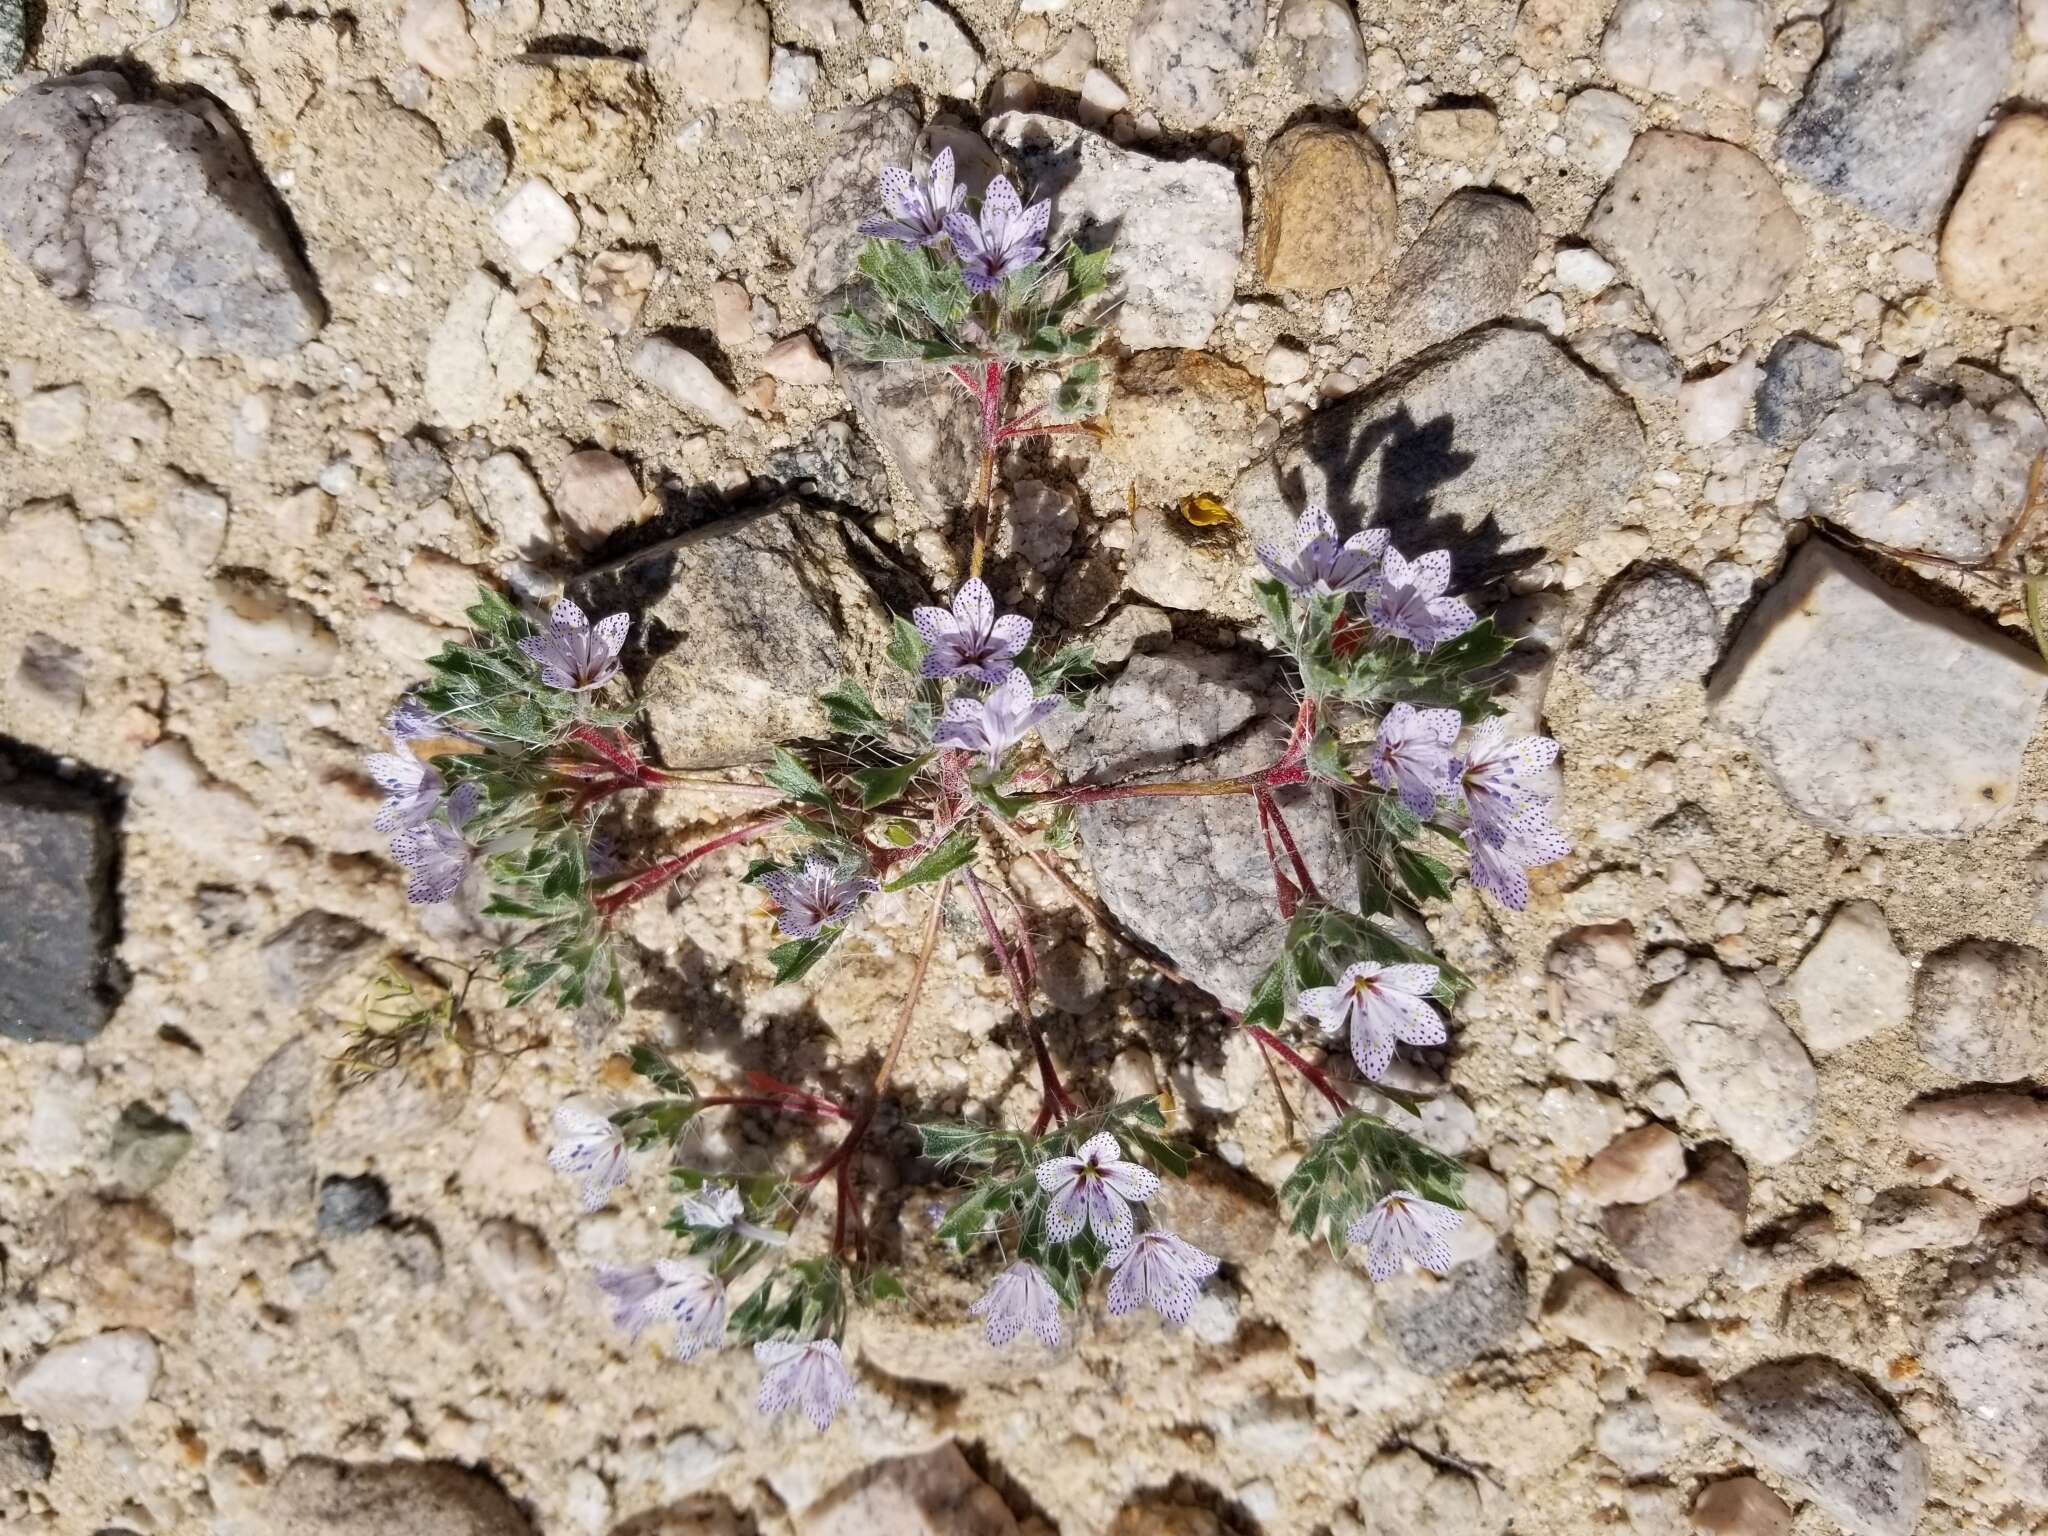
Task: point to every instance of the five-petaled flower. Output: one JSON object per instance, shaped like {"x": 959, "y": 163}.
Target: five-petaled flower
{"x": 997, "y": 721}
{"x": 590, "y": 1147}
{"x": 1494, "y": 777}
{"x": 413, "y": 721}
{"x": 918, "y": 207}
{"x": 715, "y": 1205}
{"x": 679, "y": 1291}
{"x": 970, "y": 640}
{"x": 412, "y": 789}
{"x": 1380, "y": 1004}
{"x": 1006, "y": 239}
{"x": 576, "y": 655}
{"x": 438, "y": 853}
{"x": 814, "y": 896}
{"x": 1020, "y": 1298}
{"x": 1159, "y": 1270}
{"x": 1502, "y": 858}
{"x": 1412, "y": 754}
{"x": 804, "y": 1371}
{"x": 1322, "y": 565}
{"x": 1404, "y": 1226}
{"x": 1092, "y": 1190}
{"x": 1411, "y": 602}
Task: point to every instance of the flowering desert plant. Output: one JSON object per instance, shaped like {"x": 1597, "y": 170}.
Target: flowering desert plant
{"x": 510, "y": 758}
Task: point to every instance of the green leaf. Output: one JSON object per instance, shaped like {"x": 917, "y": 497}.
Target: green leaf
{"x": 907, "y": 649}
{"x": 1087, "y": 271}
{"x": 794, "y": 960}
{"x": 1268, "y": 1005}
{"x": 1326, "y": 759}
{"x": 851, "y": 712}
{"x": 794, "y": 779}
{"x": 1170, "y": 1157}
{"x": 1083, "y": 393}
{"x": 649, "y": 1063}
{"x": 956, "y": 852}
{"x": 966, "y": 1222}
{"x": 882, "y": 1286}
{"x": 1069, "y": 664}
{"x": 1427, "y": 879}
{"x": 878, "y": 786}
{"x": 756, "y": 868}
{"x": 1009, "y": 807}
{"x": 944, "y": 1143}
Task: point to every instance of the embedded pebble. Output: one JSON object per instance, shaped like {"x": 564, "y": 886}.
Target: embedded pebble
{"x": 1853, "y": 983}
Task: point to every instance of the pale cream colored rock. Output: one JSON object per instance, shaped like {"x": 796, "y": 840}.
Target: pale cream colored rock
{"x": 537, "y": 225}
{"x": 52, "y": 421}
{"x": 1463, "y": 134}
{"x": 796, "y": 360}
{"x": 732, "y": 314}
{"x": 434, "y": 34}
{"x": 711, "y": 51}
{"x": 687, "y": 380}
{"x": 1853, "y": 983}
{"x": 44, "y": 550}
{"x": 256, "y": 634}
{"x": 484, "y": 352}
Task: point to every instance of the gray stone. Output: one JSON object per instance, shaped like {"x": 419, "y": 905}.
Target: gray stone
{"x": 25, "y": 1455}
{"x": 1892, "y": 109}
{"x": 1702, "y": 49}
{"x": 1322, "y": 51}
{"x": 1908, "y": 1220}
{"x": 1471, "y": 1313}
{"x": 865, "y": 140}
{"x": 1638, "y": 364}
{"x": 1185, "y": 55}
{"x": 836, "y": 464}
{"x": 1655, "y": 631}
{"x": 1630, "y": 1435}
{"x": 1177, "y": 225}
{"x": 99, "y": 1382}
{"x": 1737, "y": 1059}
{"x": 1411, "y": 1495}
{"x": 1802, "y": 379}
{"x": 317, "y": 1497}
{"x": 1498, "y": 435}
{"x": 146, "y": 1147}
{"x": 924, "y": 422}
{"x": 1936, "y": 463}
{"x": 309, "y": 951}
{"x": 1853, "y": 983}
{"x": 348, "y": 1206}
{"x": 417, "y": 471}
{"x": 1685, "y": 1238}
{"x": 151, "y": 216}
{"x": 1876, "y": 713}
{"x": 1989, "y": 1347}
{"x": 476, "y": 172}
{"x": 1192, "y": 714}
{"x": 266, "y": 1151}
{"x": 1704, "y": 233}
{"x": 1816, "y": 1425}
{"x": 13, "y": 35}
{"x": 59, "y": 977}
{"x": 1996, "y": 1143}
{"x": 739, "y": 625}
{"x": 1462, "y": 271}
{"x": 1981, "y": 1011}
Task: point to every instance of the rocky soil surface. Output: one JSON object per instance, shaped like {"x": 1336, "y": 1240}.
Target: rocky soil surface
{"x": 1670, "y": 320}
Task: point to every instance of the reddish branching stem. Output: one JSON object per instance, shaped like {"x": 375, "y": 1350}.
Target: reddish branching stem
{"x": 655, "y": 876}
{"x": 1056, "y": 1104}
{"x": 1316, "y": 1077}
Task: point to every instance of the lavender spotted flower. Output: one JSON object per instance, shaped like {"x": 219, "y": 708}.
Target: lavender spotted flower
{"x": 1020, "y": 1298}
{"x": 1411, "y": 602}
{"x": 1093, "y": 1190}
{"x": 971, "y": 640}
{"x": 1494, "y": 777}
{"x": 814, "y": 897}
{"x": 1160, "y": 1271}
{"x": 438, "y": 853}
{"x": 574, "y": 654}
{"x": 807, "y": 1372}
{"x": 1006, "y": 239}
{"x": 917, "y": 208}
{"x": 1502, "y": 859}
{"x": 413, "y": 721}
{"x": 589, "y": 1147}
{"x": 412, "y": 789}
{"x": 679, "y": 1291}
{"x": 1405, "y": 1226}
{"x": 1320, "y": 564}
{"x": 1379, "y": 1004}
{"x": 997, "y": 721}
{"x": 1412, "y": 755}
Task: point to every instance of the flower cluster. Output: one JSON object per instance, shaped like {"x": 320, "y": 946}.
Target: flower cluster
{"x": 1006, "y": 238}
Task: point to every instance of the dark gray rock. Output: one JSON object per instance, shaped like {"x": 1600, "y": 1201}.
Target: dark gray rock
{"x": 835, "y": 464}
{"x": 1462, "y": 271}
{"x": 1815, "y": 1424}
{"x": 1893, "y": 106}
{"x": 266, "y": 1153}
{"x": 348, "y": 1206}
{"x": 25, "y": 1455}
{"x": 13, "y": 35}
{"x": 151, "y": 216}
{"x": 147, "y": 1146}
{"x": 1191, "y": 875}
{"x": 304, "y": 955}
{"x": 1802, "y": 379}
{"x": 417, "y": 471}
{"x": 1654, "y": 631}
{"x": 59, "y": 978}
{"x": 741, "y": 624}
{"x": 1479, "y": 1307}
{"x": 1493, "y": 444}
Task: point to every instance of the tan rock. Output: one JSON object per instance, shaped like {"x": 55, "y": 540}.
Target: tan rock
{"x": 935, "y": 1494}
{"x": 596, "y": 495}
{"x": 434, "y": 34}
{"x": 1993, "y": 256}
{"x": 1464, "y": 134}
{"x": 1997, "y": 1143}
{"x": 1740, "y": 1506}
{"x": 1329, "y": 214}
{"x": 1548, "y": 32}
{"x": 1180, "y": 423}
{"x": 578, "y": 122}
{"x": 713, "y": 51}
{"x": 796, "y": 360}
{"x": 1636, "y": 1166}
{"x": 1587, "y": 1310}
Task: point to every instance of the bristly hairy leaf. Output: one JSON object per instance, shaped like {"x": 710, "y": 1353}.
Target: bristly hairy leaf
{"x": 660, "y": 1071}
{"x": 956, "y": 852}
{"x": 906, "y": 647}
{"x": 795, "y": 780}
{"x": 878, "y": 786}
{"x": 851, "y": 712}
{"x": 1352, "y": 1165}
{"x": 793, "y": 961}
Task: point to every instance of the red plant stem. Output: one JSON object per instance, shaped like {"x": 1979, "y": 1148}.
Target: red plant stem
{"x": 1317, "y": 1078}
{"x": 1286, "y": 894}
{"x": 635, "y": 772}
{"x": 1056, "y": 1103}
{"x": 655, "y": 876}
{"x": 865, "y": 1118}
{"x": 785, "y": 1106}
{"x": 1302, "y": 877}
